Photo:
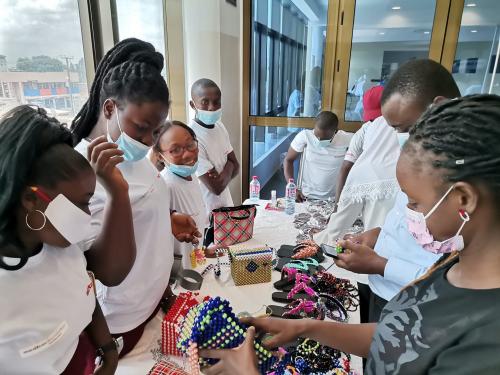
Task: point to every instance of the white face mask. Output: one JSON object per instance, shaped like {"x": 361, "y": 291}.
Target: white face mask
{"x": 418, "y": 228}
{"x": 69, "y": 220}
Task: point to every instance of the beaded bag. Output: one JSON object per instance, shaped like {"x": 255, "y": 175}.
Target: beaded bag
{"x": 250, "y": 266}
{"x": 213, "y": 325}
{"x": 170, "y": 326}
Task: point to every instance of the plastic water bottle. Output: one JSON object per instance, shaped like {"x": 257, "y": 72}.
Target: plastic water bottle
{"x": 290, "y": 194}
{"x": 254, "y": 189}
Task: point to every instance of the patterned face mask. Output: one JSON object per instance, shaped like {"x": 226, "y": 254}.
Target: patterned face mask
{"x": 418, "y": 228}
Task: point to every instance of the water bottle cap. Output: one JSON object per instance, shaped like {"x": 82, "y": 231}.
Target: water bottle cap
{"x": 290, "y": 180}
{"x": 254, "y": 177}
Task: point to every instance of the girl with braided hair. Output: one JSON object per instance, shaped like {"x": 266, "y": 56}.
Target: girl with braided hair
{"x": 446, "y": 322}
{"x": 129, "y": 99}
{"x": 51, "y": 322}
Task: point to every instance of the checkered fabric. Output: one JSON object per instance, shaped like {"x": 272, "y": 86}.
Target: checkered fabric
{"x": 167, "y": 368}
{"x": 233, "y": 225}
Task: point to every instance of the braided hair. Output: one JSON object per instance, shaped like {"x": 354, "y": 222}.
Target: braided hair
{"x": 462, "y": 138}
{"x": 35, "y": 150}
{"x": 130, "y": 71}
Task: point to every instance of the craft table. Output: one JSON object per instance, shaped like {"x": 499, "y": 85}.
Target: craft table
{"x": 271, "y": 228}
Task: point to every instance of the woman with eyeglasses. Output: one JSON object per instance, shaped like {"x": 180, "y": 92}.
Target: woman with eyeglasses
{"x": 175, "y": 154}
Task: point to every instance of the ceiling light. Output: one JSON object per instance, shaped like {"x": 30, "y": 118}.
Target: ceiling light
{"x": 470, "y": 5}
{"x": 381, "y": 33}
{"x": 427, "y": 32}
{"x": 473, "y": 31}
{"x": 397, "y": 7}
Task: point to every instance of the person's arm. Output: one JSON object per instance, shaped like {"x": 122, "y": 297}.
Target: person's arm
{"x": 231, "y": 158}
{"x": 343, "y": 173}
{"x": 112, "y": 254}
{"x": 290, "y": 158}
{"x": 349, "y": 338}
{"x": 99, "y": 334}
{"x": 217, "y": 182}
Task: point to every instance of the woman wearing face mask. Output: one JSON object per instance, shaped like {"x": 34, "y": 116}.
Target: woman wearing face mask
{"x": 447, "y": 321}
{"x": 128, "y": 101}
{"x": 175, "y": 153}
{"x": 48, "y": 298}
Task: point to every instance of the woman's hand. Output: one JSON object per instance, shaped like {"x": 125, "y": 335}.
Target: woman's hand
{"x": 360, "y": 258}
{"x": 184, "y": 228}
{"x": 104, "y": 157}
{"x": 283, "y": 331}
{"x": 240, "y": 360}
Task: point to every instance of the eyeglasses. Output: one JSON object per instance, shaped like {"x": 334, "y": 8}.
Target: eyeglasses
{"x": 179, "y": 150}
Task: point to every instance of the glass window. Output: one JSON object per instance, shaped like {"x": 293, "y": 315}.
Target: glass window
{"x": 288, "y": 40}
{"x": 478, "y": 48}
{"x": 142, "y": 20}
{"x": 41, "y": 57}
{"x": 386, "y": 34}
{"x": 268, "y": 147}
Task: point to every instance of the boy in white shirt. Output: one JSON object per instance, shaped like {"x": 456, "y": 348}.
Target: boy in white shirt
{"x": 324, "y": 148}
{"x": 217, "y": 162}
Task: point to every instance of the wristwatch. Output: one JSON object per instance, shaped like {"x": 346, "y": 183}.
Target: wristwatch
{"x": 112, "y": 345}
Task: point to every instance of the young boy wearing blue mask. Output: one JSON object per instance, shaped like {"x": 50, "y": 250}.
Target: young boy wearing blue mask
{"x": 217, "y": 162}
{"x": 324, "y": 148}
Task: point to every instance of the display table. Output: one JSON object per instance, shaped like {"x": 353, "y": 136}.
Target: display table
{"x": 271, "y": 228}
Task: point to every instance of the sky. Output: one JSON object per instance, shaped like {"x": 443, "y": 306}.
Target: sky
{"x": 52, "y": 27}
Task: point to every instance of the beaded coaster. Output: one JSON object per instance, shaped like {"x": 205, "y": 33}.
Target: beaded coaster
{"x": 213, "y": 325}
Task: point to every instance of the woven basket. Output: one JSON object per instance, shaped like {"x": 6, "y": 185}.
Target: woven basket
{"x": 250, "y": 265}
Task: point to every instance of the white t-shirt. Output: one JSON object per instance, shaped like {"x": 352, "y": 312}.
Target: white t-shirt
{"x": 45, "y": 306}
{"x": 375, "y": 151}
{"x": 321, "y": 164}
{"x": 186, "y": 197}
{"x": 214, "y": 145}
{"x": 129, "y": 304}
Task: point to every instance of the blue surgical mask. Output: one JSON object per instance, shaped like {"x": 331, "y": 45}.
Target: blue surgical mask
{"x": 208, "y": 117}
{"x": 181, "y": 170}
{"x": 132, "y": 150}
{"x": 324, "y": 143}
{"x": 402, "y": 138}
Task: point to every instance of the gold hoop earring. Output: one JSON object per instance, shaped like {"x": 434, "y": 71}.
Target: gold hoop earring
{"x": 44, "y": 221}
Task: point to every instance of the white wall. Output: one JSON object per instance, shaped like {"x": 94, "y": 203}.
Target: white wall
{"x": 212, "y": 49}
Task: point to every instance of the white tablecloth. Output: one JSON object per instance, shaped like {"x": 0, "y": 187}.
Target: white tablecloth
{"x": 271, "y": 228}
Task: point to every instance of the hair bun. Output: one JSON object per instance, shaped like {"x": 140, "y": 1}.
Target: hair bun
{"x": 152, "y": 58}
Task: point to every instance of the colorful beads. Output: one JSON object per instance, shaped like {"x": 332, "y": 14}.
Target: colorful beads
{"x": 213, "y": 325}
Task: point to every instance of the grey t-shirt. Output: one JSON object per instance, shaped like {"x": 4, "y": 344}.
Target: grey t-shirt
{"x": 434, "y": 328}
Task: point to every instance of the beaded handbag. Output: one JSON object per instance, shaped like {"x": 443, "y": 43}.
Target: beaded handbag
{"x": 213, "y": 325}
{"x": 250, "y": 265}
{"x": 233, "y": 225}
{"x": 170, "y": 326}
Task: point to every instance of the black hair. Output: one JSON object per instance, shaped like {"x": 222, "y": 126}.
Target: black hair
{"x": 164, "y": 128}
{"x": 130, "y": 71}
{"x": 463, "y": 136}
{"x": 422, "y": 80}
{"x": 202, "y": 84}
{"x": 34, "y": 150}
{"x": 327, "y": 120}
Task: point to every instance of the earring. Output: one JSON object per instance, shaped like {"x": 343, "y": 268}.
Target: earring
{"x": 44, "y": 221}
{"x": 464, "y": 215}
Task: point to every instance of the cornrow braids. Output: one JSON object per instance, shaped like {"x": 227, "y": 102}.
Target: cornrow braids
{"x": 130, "y": 71}
{"x": 34, "y": 150}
